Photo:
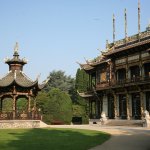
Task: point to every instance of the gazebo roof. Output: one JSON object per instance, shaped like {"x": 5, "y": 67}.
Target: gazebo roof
{"x": 16, "y": 76}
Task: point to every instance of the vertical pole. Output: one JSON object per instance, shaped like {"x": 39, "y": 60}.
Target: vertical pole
{"x": 125, "y": 15}
{"x": 113, "y": 28}
{"x": 139, "y": 26}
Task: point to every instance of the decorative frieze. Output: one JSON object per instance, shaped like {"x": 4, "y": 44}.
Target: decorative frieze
{"x": 120, "y": 61}
{"x": 135, "y": 57}
{"x": 146, "y": 54}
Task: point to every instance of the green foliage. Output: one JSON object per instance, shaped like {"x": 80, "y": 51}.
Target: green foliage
{"x": 81, "y": 80}
{"x": 59, "y": 80}
{"x": 55, "y": 100}
{"x": 56, "y": 105}
{"x": 81, "y": 85}
{"x": 80, "y": 111}
{"x": 7, "y": 104}
{"x": 22, "y": 104}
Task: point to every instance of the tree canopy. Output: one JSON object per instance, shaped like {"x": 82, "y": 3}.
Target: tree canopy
{"x": 59, "y": 80}
{"x": 56, "y": 106}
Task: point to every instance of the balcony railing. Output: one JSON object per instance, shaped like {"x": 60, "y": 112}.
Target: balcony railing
{"x": 121, "y": 82}
{"x": 132, "y": 80}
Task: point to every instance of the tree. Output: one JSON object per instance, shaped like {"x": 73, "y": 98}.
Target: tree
{"x": 82, "y": 80}
{"x": 59, "y": 80}
{"x": 65, "y": 83}
{"x": 56, "y": 106}
{"x": 80, "y": 108}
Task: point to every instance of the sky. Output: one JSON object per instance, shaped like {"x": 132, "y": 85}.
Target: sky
{"x": 55, "y": 34}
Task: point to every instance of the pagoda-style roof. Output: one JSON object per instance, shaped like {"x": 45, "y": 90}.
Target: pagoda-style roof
{"x": 16, "y": 76}
{"x": 126, "y": 44}
{"x": 95, "y": 62}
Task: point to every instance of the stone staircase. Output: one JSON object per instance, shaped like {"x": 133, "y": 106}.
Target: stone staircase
{"x": 129, "y": 123}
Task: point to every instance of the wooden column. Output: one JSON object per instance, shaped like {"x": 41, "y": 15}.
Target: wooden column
{"x": 14, "y": 106}
{"x": 115, "y": 105}
{"x": 34, "y": 103}
{"x": 128, "y": 110}
{"x": 142, "y": 103}
{"x": 29, "y": 104}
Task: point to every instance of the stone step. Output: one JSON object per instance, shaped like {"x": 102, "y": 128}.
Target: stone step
{"x": 135, "y": 123}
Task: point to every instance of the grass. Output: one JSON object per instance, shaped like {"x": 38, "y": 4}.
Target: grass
{"x": 50, "y": 139}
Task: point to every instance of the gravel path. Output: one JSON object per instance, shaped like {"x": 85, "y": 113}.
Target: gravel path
{"x": 123, "y": 138}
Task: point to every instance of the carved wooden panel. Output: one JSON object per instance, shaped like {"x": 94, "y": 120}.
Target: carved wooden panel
{"x": 103, "y": 77}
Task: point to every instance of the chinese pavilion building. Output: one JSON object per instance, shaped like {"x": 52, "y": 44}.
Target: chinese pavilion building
{"x": 17, "y": 85}
{"x": 119, "y": 79}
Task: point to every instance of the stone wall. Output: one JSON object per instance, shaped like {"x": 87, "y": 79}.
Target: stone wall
{"x": 19, "y": 124}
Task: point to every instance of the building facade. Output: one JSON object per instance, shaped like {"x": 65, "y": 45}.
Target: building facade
{"x": 119, "y": 79}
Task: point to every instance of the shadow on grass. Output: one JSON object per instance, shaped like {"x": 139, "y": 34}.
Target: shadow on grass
{"x": 50, "y": 139}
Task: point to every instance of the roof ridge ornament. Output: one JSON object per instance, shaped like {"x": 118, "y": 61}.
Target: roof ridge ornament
{"x": 139, "y": 16}
{"x": 114, "y": 28}
{"x": 125, "y": 18}
{"x": 16, "y": 48}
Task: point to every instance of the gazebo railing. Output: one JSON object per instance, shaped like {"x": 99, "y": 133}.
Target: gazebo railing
{"x": 20, "y": 115}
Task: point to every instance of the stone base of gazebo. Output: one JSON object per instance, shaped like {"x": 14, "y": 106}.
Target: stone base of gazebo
{"x": 10, "y": 124}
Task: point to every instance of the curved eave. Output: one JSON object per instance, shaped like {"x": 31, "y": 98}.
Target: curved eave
{"x": 44, "y": 83}
{"x": 32, "y": 84}
{"x": 41, "y": 86}
{"x": 17, "y": 78}
{"x": 85, "y": 95}
{"x": 7, "y": 80}
{"x": 86, "y": 67}
{"x": 15, "y": 62}
{"x": 99, "y": 62}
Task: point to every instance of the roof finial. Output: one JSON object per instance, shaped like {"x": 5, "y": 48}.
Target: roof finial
{"x": 125, "y": 17}
{"x": 113, "y": 28}
{"x": 139, "y": 11}
{"x": 16, "y": 48}
{"x": 107, "y": 44}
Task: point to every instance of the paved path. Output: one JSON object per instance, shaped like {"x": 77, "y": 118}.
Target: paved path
{"x": 123, "y": 138}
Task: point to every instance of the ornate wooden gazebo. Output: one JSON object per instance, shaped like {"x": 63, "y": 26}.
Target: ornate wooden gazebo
{"x": 15, "y": 84}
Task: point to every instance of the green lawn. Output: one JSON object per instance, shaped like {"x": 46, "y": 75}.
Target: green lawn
{"x": 50, "y": 139}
